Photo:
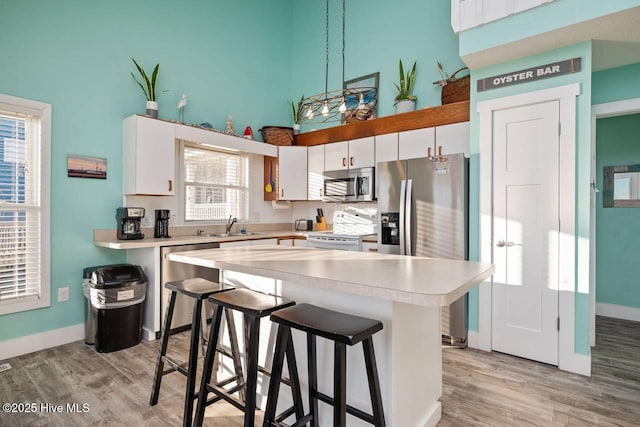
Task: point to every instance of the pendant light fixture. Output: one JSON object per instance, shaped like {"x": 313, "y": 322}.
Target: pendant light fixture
{"x": 340, "y": 104}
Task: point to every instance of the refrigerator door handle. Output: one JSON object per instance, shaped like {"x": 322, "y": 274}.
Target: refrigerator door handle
{"x": 403, "y": 195}
{"x": 407, "y": 222}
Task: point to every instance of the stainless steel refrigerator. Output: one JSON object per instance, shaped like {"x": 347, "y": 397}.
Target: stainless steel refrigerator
{"x": 423, "y": 211}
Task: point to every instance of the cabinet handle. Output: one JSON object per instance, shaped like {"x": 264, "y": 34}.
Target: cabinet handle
{"x": 282, "y": 192}
{"x": 373, "y": 249}
{"x": 344, "y": 161}
{"x": 170, "y": 185}
{"x": 350, "y": 161}
{"x": 439, "y": 150}
{"x": 429, "y": 152}
{"x": 321, "y": 192}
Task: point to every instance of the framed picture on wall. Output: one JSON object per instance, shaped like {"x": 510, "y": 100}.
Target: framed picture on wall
{"x": 86, "y": 167}
{"x": 361, "y": 98}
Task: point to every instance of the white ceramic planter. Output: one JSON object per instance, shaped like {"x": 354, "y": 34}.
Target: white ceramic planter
{"x": 405, "y": 106}
{"x": 152, "y": 109}
{"x": 296, "y": 128}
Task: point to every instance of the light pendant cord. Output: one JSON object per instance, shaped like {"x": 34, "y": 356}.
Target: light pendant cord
{"x": 326, "y": 69}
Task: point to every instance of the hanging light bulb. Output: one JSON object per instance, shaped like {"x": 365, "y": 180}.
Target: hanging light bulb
{"x": 343, "y": 106}
{"x": 325, "y": 108}
{"x": 309, "y": 114}
{"x": 361, "y": 105}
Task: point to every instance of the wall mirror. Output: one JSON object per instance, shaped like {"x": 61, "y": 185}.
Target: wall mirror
{"x": 621, "y": 186}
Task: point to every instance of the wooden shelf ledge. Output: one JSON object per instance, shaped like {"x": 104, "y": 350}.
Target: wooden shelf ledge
{"x": 428, "y": 117}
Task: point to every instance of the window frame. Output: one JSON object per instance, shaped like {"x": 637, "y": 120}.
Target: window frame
{"x": 42, "y": 110}
{"x": 180, "y": 147}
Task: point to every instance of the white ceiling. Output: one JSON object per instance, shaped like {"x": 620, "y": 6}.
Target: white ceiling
{"x": 616, "y": 42}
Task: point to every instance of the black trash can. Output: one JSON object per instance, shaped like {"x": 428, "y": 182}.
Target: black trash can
{"x": 114, "y": 315}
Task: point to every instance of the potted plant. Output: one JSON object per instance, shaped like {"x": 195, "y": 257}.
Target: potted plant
{"x": 295, "y": 113}
{"x": 149, "y": 88}
{"x": 405, "y": 100}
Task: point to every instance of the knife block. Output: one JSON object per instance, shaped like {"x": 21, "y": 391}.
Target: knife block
{"x": 321, "y": 225}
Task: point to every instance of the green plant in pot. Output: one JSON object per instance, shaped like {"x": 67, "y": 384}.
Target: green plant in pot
{"x": 295, "y": 114}
{"x": 405, "y": 100}
{"x": 149, "y": 88}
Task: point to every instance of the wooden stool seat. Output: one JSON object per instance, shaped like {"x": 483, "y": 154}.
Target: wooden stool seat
{"x": 197, "y": 288}
{"x": 250, "y": 302}
{"x": 344, "y": 330}
{"x": 253, "y": 305}
{"x": 329, "y": 324}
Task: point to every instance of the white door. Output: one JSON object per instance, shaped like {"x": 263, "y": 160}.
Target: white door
{"x": 336, "y": 156}
{"x": 526, "y": 232}
{"x": 315, "y": 168}
{"x": 362, "y": 153}
{"x": 292, "y": 170}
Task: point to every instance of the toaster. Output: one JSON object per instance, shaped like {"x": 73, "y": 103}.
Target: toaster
{"x": 304, "y": 225}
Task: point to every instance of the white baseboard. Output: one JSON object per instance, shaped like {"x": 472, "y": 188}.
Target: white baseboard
{"x": 618, "y": 311}
{"x": 36, "y": 342}
{"x": 433, "y": 416}
{"x": 473, "y": 340}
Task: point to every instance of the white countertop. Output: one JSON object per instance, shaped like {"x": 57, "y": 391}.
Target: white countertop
{"x": 414, "y": 280}
{"x": 151, "y": 242}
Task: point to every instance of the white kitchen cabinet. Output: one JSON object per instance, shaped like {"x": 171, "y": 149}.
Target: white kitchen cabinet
{"x": 264, "y": 242}
{"x": 336, "y": 156}
{"x": 292, "y": 170}
{"x": 453, "y": 138}
{"x": 315, "y": 168}
{"x": 357, "y": 153}
{"x": 369, "y": 247}
{"x": 298, "y": 243}
{"x": 362, "y": 153}
{"x": 148, "y": 156}
{"x": 416, "y": 143}
{"x": 386, "y": 147}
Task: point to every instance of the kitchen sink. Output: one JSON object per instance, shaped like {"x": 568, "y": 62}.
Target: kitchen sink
{"x": 248, "y": 233}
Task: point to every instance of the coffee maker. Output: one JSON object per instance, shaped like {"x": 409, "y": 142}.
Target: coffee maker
{"x": 129, "y": 223}
{"x": 161, "y": 228}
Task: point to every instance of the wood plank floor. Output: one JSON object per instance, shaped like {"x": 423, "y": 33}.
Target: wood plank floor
{"x": 480, "y": 389}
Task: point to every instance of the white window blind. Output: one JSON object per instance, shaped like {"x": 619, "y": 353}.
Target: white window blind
{"x": 20, "y": 207}
{"x": 215, "y": 184}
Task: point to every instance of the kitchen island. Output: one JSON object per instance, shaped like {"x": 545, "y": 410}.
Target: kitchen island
{"x": 405, "y": 293}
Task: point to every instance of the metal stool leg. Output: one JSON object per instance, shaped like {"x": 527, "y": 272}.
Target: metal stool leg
{"x": 157, "y": 378}
{"x": 208, "y": 366}
{"x": 374, "y": 382}
{"x": 340, "y": 385}
{"x": 187, "y": 417}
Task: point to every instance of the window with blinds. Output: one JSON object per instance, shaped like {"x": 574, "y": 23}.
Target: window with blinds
{"x": 216, "y": 184}
{"x": 20, "y": 207}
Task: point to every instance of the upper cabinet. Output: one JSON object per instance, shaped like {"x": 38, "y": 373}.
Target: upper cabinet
{"x": 386, "y": 147}
{"x": 467, "y": 14}
{"x": 148, "y": 156}
{"x": 315, "y": 168}
{"x": 453, "y": 139}
{"x": 292, "y": 173}
{"x": 416, "y": 143}
{"x": 357, "y": 153}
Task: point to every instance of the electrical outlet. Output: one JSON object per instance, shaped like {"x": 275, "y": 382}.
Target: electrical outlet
{"x": 63, "y": 294}
{"x": 5, "y": 367}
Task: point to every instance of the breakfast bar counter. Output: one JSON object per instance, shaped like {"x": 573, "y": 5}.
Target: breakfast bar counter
{"x": 405, "y": 293}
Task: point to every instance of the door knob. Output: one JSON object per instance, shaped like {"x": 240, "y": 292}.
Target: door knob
{"x": 502, "y": 244}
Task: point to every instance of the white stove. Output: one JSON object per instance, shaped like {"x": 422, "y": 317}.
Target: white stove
{"x": 349, "y": 226}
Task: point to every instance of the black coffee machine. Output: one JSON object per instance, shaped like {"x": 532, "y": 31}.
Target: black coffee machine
{"x": 161, "y": 228}
{"x": 129, "y": 223}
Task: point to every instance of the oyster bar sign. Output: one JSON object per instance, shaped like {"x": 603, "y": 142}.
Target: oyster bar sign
{"x": 540, "y": 72}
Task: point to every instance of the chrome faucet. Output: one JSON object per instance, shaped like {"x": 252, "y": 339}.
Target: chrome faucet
{"x": 199, "y": 232}
{"x": 230, "y": 223}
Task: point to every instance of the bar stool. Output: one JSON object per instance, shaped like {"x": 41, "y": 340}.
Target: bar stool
{"x": 343, "y": 329}
{"x": 254, "y": 306}
{"x": 199, "y": 289}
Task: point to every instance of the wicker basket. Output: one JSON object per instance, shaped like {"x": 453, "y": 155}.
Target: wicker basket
{"x": 456, "y": 89}
{"x": 277, "y": 135}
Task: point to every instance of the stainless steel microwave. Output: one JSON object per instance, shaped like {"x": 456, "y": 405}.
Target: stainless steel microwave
{"x": 352, "y": 185}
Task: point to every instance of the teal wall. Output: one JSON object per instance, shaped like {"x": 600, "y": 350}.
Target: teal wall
{"x": 539, "y": 20}
{"x": 231, "y": 57}
{"x": 378, "y": 34}
{"x": 617, "y": 231}
{"x": 583, "y": 143}
{"x": 616, "y": 84}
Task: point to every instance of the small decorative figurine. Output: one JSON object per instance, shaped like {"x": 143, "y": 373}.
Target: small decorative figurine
{"x": 248, "y": 133}
{"x": 229, "y": 129}
{"x": 181, "y": 104}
